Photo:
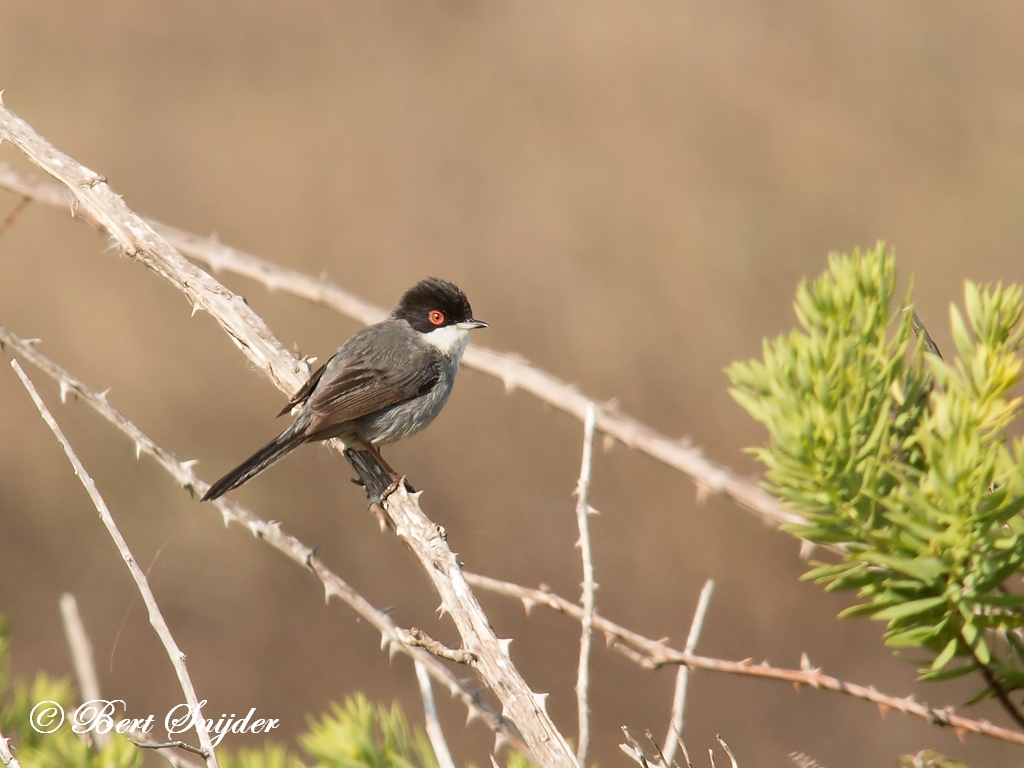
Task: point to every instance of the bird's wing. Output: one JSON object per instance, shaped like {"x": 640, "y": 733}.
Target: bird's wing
{"x": 365, "y": 379}
{"x": 305, "y": 390}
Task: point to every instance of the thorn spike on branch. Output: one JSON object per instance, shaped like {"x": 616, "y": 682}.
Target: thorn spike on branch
{"x": 505, "y": 644}
{"x": 138, "y": 449}
{"x": 64, "y": 389}
{"x": 805, "y": 662}
{"x": 500, "y": 740}
{"x": 702, "y": 493}
{"x": 226, "y": 514}
{"x": 541, "y": 700}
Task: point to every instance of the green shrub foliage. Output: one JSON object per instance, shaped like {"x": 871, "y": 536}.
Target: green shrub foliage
{"x": 358, "y": 734}
{"x": 903, "y": 459}
{"x": 62, "y": 748}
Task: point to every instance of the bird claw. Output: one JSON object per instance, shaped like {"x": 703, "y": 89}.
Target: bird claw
{"x": 393, "y": 486}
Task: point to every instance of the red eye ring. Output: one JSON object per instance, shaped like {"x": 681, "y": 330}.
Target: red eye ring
{"x": 436, "y": 317}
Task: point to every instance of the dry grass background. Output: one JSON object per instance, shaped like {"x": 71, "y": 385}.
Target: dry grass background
{"x": 628, "y": 192}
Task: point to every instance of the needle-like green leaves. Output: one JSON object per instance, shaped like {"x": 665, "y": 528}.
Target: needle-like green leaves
{"x": 903, "y": 458}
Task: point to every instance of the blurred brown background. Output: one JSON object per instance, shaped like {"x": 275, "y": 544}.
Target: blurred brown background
{"x": 628, "y": 192}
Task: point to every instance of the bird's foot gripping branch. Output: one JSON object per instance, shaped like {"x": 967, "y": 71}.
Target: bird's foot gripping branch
{"x": 902, "y": 459}
{"x": 373, "y": 477}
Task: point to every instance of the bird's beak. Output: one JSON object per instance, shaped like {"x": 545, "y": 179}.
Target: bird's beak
{"x": 471, "y": 324}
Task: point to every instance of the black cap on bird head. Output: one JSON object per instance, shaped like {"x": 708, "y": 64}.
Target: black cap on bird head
{"x": 435, "y": 303}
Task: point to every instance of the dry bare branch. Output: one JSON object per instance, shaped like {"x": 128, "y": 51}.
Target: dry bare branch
{"x": 583, "y": 511}
{"x": 139, "y": 739}
{"x": 168, "y": 745}
{"x": 88, "y": 683}
{"x": 431, "y": 721}
{"x": 652, "y": 654}
{"x": 156, "y": 618}
{"x": 271, "y": 533}
{"x": 513, "y": 370}
{"x": 675, "y": 728}
{"x": 633, "y": 749}
{"x": 6, "y": 756}
{"x": 140, "y": 242}
{"x": 732, "y": 757}
{"x": 420, "y": 639}
{"x": 81, "y": 648}
{"x": 81, "y": 656}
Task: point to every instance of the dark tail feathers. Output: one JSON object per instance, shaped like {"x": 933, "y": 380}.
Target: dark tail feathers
{"x": 263, "y": 458}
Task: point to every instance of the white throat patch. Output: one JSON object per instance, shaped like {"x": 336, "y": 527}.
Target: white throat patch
{"x": 450, "y": 340}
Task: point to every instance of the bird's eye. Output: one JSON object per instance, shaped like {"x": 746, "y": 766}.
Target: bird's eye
{"x": 436, "y": 317}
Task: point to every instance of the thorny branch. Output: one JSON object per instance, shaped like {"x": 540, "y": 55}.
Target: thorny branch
{"x": 652, "y": 654}
{"x": 155, "y": 616}
{"x": 420, "y": 639}
{"x": 514, "y": 371}
{"x": 392, "y": 636}
{"x": 140, "y": 242}
{"x": 583, "y": 511}
{"x": 6, "y": 757}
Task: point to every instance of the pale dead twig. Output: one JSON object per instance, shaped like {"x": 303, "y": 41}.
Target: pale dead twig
{"x": 675, "y": 728}
{"x": 583, "y": 511}
{"x": 652, "y": 654}
{"x": 168, "y": 745}
{"x": 633, "y": 749}
{"x": 139, "y": 241}
{"x": 392, "y": 636}
{"x": 420, "y": 639}
{"x": 6, "y": 756}
{"x": 81, "y": 656}
{"x": 513, "y": 370}
{"x": 156, "y": 618}
{"x": 657, "y": 750}
{"x": 88, "y": 682}
{"x": 431, "y": 721}
{"x": 167, "y": 753}
{"x": 686, "y": 752}
{"x": 732, "y": 757}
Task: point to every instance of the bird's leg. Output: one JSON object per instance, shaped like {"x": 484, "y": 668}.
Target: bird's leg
{"x": 375, "y": 474}
{"x": 396, "y": 479}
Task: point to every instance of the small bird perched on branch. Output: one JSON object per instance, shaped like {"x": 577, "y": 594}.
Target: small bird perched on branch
{"x": 387, "y": 382}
